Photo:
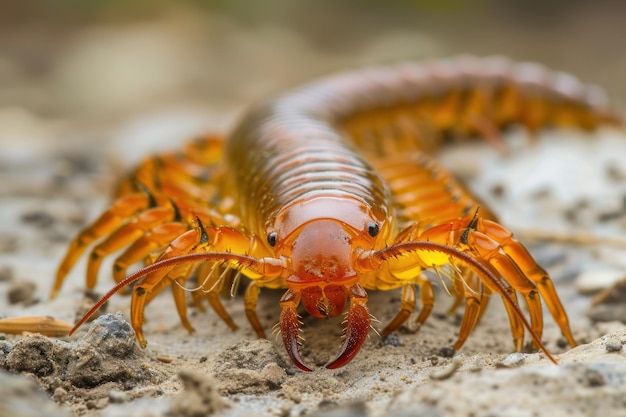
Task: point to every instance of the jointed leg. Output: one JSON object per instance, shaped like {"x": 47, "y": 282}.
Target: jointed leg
{"x": 123, "y": 209}
{"x": 155, "y": 239}
{"x": 250, "y": 299}
{"x": 534, "y": 272}
{"x": 125, "y": 235}
{"x": 408, "y": 301}
{"x": 476, "y": 301}
{"x": 489, "y": 243}
{"x": 407, "y": 305}
{"x": 427, "y": 297}
{"x": 218, "y": 307}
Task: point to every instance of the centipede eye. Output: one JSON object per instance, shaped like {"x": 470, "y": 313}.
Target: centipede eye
{"x": 271, "y": 239}
{"x": 372, "y": 229}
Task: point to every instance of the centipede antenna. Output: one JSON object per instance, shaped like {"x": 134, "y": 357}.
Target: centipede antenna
{"x": 241, "y": 260}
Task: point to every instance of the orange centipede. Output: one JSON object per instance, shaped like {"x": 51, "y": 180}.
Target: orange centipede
{"x": 332, "y": 190}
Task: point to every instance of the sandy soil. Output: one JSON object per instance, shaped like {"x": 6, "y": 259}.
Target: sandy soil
{"x": 61, "y": 159}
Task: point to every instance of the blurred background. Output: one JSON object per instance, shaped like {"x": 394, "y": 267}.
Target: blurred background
{"x": 75, "y": 72}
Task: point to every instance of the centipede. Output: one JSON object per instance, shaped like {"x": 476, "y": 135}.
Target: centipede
{"x": 333, "y": 190}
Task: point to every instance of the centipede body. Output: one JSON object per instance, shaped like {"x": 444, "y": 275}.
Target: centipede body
{"x": 333, "y": 188}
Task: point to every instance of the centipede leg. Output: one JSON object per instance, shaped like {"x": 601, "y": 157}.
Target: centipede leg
{"x": 407, "y": 305}
{"x": 154, "y": 282}
{"x": 459, "y": 290}
{"x": 534, "y": 272}
{"x": 178, "y": 276}
{"x": 408, "y": 300}
{"x": 155, "y": 239}
{"x": 470, "y": 318}
{"x": 197, "y": 240}
{"x": 137, "y": 303}
{"x": 517, "y": 328}
{"x": 467, "y": 232}
{"x": 181, "y": 306}
{"x": 469, "y": 288}
{"x": 147, "y": 289}
{"x": 124, "y": 236}
{"x": 491, "y": 134}
{"x": 427, "y": 298}
{"x": 109, "y": 221}
{"x": 199, "y": 293}
{"x": 250, "y": 300}
{"x": 492, "y": 251}
{"x": 218, "y": 307}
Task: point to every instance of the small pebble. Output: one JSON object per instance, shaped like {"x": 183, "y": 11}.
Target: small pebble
{"x": 60, "y": 395}
{"x": 165, "y": 359}
{"x": 447, "y": 352}
{"x": 21, "y": 292}
{"x": 117, "y": 397}
{"x": 447, "y": 371}
{"x": 512, "y": 360}
{"x": 613, "y": 346}
{"x": 392, "y": 340}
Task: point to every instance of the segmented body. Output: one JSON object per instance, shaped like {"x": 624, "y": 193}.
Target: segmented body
{"x": 347, "y": 159}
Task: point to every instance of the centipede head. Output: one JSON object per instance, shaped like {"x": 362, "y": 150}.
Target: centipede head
{"x": 323, "y": 279}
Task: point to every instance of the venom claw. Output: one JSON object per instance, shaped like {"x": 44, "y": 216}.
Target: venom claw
{"x": 356, "y": 333}
{"x": 290, "y": 331}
